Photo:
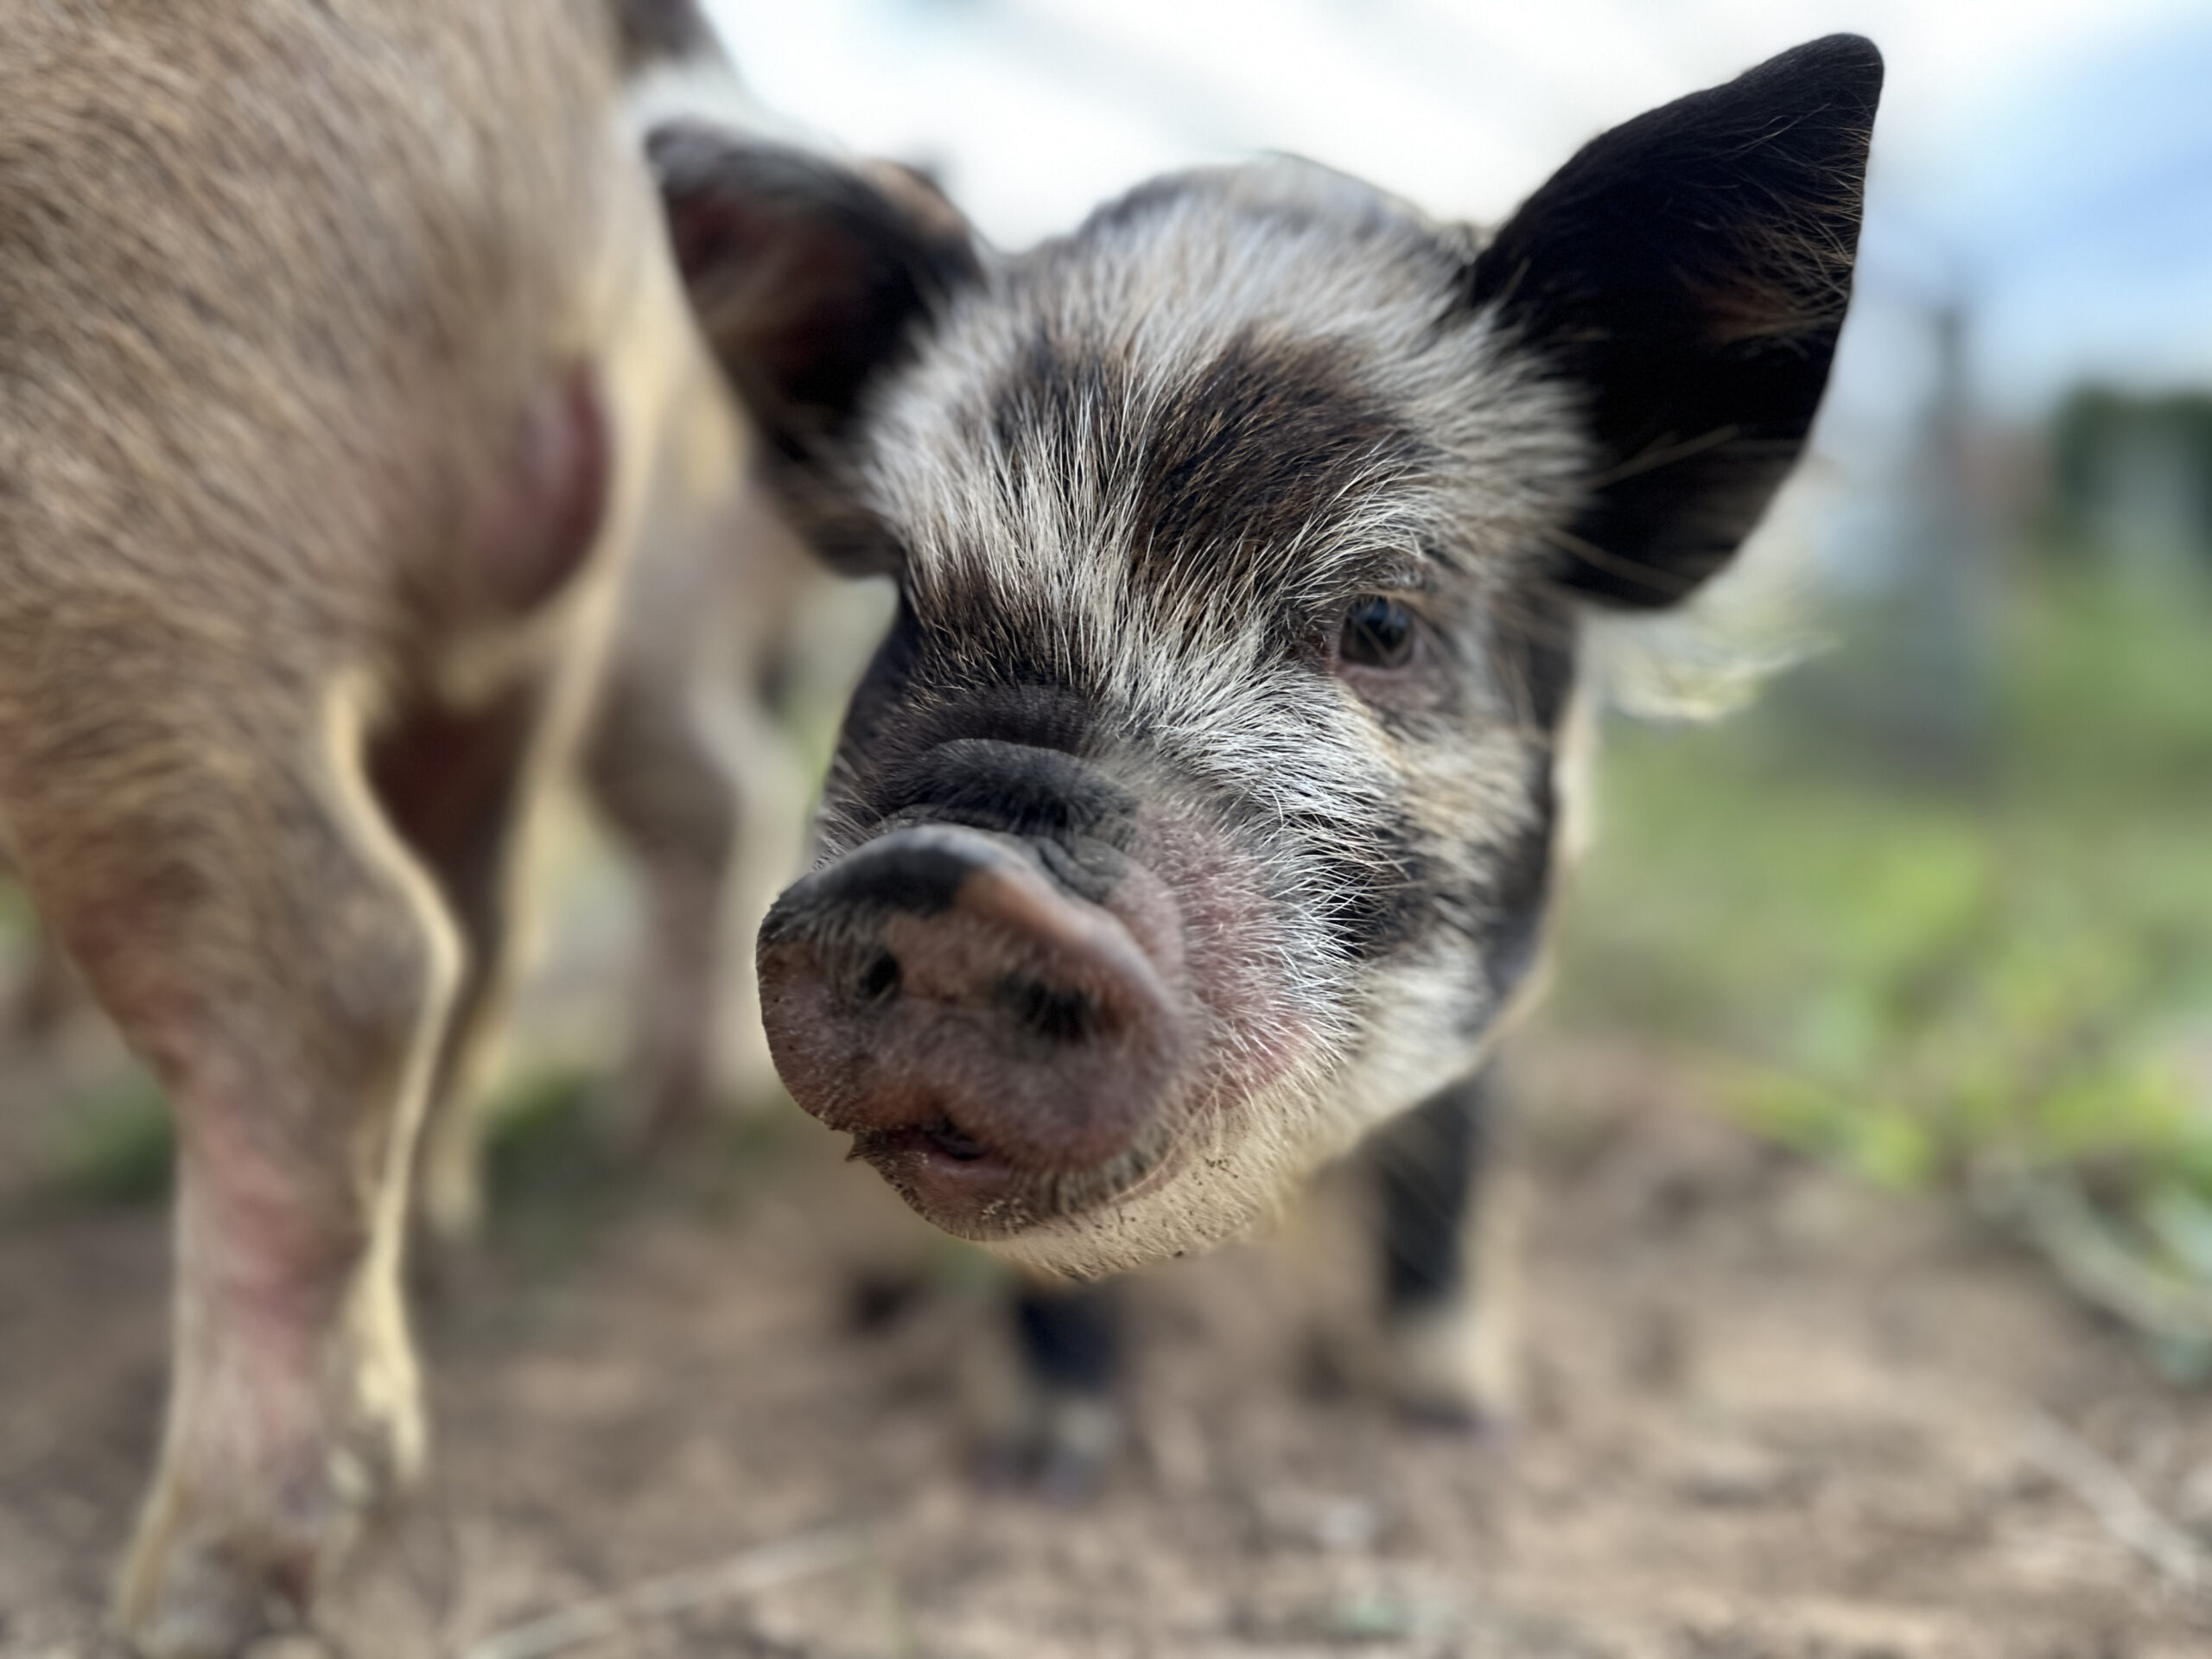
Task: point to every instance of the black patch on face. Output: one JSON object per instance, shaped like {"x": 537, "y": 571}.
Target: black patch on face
{"x": 1015, "y": 789}
{"x": 1534, "y": 651}
{"x": 1547, "y": 677}
{"x": 1427, "y": 1164}
{"x": 1533, "y": 644}
{"x": 1052, "y": 387}
{"x": 963, "y": 678}
{"x": 927, "y": 741}
{"x": 1520, "y": 890}
{"x": 1391, "y": 900}
{"x": 1256, "y": 447}
{"x": 924, "y": 691}
{"x": 884, "y": 688}
{"x": 1379, "y": 893}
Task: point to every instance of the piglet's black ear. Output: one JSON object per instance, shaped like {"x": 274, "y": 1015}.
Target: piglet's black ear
{"x": 1689, "y": 272}
{"x": 808, "y": 277}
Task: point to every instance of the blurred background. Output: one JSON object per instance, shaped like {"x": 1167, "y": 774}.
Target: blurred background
{"x": 1895, "y": 945}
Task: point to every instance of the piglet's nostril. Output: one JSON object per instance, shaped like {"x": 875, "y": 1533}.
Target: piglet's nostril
{"x": 1057, "y": 1015}
{"x": 878, "y": 979}
{"x": 951, "y": 1140}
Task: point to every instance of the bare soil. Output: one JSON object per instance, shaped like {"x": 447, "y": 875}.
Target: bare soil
{"x": 1772, "y": 1416}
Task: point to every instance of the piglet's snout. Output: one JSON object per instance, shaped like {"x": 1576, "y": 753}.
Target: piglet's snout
{"x": 940, "y": 995}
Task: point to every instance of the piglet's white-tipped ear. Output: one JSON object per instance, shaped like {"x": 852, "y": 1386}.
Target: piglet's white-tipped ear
{"x": 808, "y": 277}
{"x": 1687, "y": 272}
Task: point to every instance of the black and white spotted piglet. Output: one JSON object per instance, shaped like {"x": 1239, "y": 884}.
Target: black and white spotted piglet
{"x": 1203, "y": 810}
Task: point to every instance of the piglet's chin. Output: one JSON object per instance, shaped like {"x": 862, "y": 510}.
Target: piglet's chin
{"x": 1210, "y": 1188}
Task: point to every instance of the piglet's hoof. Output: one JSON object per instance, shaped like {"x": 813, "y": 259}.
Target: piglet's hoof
{"x": 201, "y": 1607}
{"x": 207, "y": 1611}
{"x": 1445, "y": 1372}
{"x": 227, "y": 1565}
{"x": 1063, "y": 1458}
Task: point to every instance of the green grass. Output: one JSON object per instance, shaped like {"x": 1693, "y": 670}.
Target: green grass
{"x": 17, "y": 919}
{"x": 117, "y": 1144}
{"x": 1915, "y": 981}
{"x": 558, "y": 1171}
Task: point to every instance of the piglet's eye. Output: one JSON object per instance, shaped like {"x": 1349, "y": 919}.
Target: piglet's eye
{"x": 1378, "y": 632}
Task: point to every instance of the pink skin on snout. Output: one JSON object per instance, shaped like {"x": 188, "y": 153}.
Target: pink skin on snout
{"x": 989, "y": 1055}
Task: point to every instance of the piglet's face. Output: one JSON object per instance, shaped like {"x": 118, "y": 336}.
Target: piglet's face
{"x": 1199, "y": 811}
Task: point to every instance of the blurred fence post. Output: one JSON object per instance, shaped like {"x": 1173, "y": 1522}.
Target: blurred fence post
{"x": 1916, "y": 680}
{"x": 1943, "y": 716}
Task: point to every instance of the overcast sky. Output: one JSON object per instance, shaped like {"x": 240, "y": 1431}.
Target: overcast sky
{"x": 2051, "y": 159}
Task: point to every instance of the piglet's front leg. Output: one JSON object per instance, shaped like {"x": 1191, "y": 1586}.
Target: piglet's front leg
{"x": 1450, "y": 1260}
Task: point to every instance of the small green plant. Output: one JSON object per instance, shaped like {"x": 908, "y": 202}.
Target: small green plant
{"x": 542, "y": 1142}
{"x": 17, "y": 917}
{"x": 118, "y": 1142}
{"x": 1920, "y": 983}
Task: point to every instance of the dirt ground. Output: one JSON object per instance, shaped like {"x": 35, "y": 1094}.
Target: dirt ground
{"x": 1771, "y": 1416}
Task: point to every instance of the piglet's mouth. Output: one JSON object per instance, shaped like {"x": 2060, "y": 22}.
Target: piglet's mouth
{"x": 1002, "y": 1049}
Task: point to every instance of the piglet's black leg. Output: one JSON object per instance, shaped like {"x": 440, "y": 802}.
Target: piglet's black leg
{"x": 1065, "y": 1422}
{"x": 1447, "y": 1228}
